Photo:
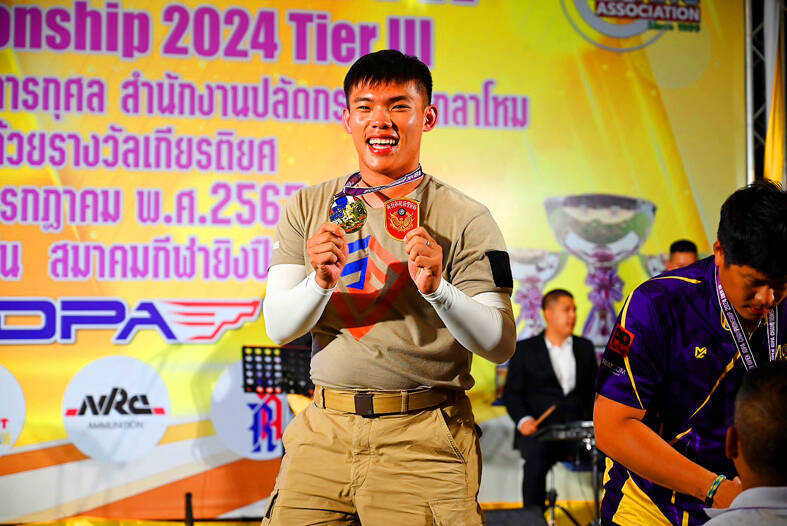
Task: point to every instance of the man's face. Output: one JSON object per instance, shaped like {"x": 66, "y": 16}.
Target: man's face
{"x": 386, "y": 122}
{"x": 681, "y": 259}
{"x": 561, "y": 316}
{"x": 750, "y": 292}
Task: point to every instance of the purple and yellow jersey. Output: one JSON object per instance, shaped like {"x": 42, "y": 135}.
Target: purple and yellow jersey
{"x": 672, "y": 354}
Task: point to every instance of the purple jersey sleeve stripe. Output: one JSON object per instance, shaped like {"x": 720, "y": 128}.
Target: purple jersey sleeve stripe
{"x": 624, "y": 312}
{"x": 687, "y": 280}
{"x": 723, "y": 375}
{"x": 672, "y": 443}
{"x": 633, "y": 383}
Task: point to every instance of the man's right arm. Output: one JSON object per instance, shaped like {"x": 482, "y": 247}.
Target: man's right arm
{"x": 621, "y": 434}
{"x": 293, "y": 302}
{"x": 514, "y": 395}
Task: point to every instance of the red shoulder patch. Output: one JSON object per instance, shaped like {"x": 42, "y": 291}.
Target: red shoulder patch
{"x": 401, "y": 216}
{"x": 621, "y": 341}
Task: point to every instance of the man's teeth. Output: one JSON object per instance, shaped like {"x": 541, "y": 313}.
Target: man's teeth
{"x": 382, "y": 142}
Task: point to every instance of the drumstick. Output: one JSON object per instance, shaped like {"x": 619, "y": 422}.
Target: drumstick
{"x": 546, "y": 413}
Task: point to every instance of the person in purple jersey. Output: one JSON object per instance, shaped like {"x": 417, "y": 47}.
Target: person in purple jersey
{"x": 669, "y": 374}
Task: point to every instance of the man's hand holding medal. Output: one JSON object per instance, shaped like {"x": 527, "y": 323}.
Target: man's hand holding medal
{"x": 328, "y": 253}
{"x": 328, "y": 250}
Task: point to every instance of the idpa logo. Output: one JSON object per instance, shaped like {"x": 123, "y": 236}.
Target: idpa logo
{"x": 176, "y": 320}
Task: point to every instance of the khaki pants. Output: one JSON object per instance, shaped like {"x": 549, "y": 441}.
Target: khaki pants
{"x": 414, "y": 469}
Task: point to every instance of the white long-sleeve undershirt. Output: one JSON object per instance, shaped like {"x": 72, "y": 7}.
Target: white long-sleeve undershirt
{"x": 477, "y": 323}
{"x": 294, "y": 303}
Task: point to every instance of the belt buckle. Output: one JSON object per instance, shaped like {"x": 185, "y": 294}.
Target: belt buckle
{"x": 363, "y": 404}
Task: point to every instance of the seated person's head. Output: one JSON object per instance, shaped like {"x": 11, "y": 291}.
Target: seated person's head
{"x": 560, "y": 312}
{"x": 751, "y": 249}
{"x": 757, "y": 442}
{"x": 682, "y": 253}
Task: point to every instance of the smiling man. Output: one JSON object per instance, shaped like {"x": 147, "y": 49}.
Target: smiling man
{"x": 406, "y": 281}
{"x": 668, "y": 377}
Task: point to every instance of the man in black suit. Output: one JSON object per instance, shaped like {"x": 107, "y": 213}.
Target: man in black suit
{"x": 552, "y": 368}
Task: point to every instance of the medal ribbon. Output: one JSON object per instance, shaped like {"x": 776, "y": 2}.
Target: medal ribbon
{"x": 355, "y": 191}
{"x": 738, "y": 334}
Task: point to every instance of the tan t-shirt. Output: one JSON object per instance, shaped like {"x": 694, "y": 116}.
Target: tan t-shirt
{"x": 377, "y": 331}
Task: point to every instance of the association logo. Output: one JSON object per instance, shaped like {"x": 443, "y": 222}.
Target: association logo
{"x": 12, "y": 410}
{"x": 186, "y": 321}
{"x": 250, "y": 424}
{"x": 700, "y": 352}
{"x": 116, "y": 409}
{"x": 634, "y": 24}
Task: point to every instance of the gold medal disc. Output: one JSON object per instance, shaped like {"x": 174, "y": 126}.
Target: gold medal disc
{"x": 348, "y": 212}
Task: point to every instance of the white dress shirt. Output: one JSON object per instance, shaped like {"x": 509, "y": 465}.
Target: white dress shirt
{"x": 563, "y": 363}
{"x": 763, "y": 506}
{"x": 565, "y": 366}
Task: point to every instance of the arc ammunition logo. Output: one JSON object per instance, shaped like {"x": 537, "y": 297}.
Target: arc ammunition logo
{"x": 116, "y": 409}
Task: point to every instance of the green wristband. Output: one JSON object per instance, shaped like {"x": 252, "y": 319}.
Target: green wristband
{"x": 712, "y": 491}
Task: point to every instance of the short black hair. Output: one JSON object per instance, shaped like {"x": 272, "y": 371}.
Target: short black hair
{"x": 389, "y": 66}
{"x": 761, "y": 421}
{"x": 553, "y": 295}
{"x": 682, "y": 245}
{"x": 753, "y": 228}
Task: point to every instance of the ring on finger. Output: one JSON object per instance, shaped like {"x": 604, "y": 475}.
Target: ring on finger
{"x": 428, "y": 243}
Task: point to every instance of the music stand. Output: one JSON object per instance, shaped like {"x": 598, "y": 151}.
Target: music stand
{"x": 277, "y": 370}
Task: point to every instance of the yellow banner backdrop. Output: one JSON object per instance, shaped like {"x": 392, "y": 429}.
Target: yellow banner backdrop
{"x": 147, "y": 149}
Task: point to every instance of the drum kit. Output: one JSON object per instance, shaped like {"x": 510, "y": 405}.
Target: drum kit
{"x": 580, "y": 432}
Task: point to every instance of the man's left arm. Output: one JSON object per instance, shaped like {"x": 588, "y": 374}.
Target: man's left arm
{"x": 482, "y": 321}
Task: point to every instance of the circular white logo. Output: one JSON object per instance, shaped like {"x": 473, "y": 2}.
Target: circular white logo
{"x": 12, "y": 410}
{"x": 250, "y": 424}
{"x": 595, "y": 28}
{"x": 116, "y": 409}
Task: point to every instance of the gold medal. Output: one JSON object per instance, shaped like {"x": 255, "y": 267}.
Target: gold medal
{"x": 348, "y": 212}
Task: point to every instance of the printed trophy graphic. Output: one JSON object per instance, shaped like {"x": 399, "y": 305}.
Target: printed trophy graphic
{"x": 531, "y": 269}
{"x": 654, "y": 264}
{"x": 602, "y": 230}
